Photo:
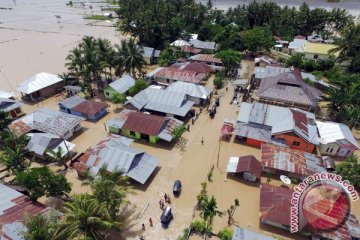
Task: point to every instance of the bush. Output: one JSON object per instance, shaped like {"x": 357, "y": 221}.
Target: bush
{"x": 118, "y": 98}
{"x": 178, "y": 131}
{"x": 199, "y": 226}
{"x": 218, "y": 81}
{"x": 184, "y": 235}
{"x": 295, "y": 60}
{"x": 225, "y": 234}
{"x": 310, "y": 65}
{"x": 140, "y": 84}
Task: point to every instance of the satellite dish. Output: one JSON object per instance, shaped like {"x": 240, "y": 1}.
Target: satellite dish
{"x": 285, "y": 179}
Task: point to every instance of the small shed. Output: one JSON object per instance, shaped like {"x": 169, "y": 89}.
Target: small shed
{"x": 72, "y": 90}
{"x": 227, "y": 129}
{"x": 121, "y": 85}
{"x": 247, "y": 165}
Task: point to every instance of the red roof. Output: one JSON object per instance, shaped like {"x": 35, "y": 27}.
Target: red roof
{"x": 290, "y": 160}
{"x": 89, "y": 107}
{"x": 144, "y": 123}
{"x": 198, "y": 67}
{"x": 190, "y": 49}
{"x": 180, "y": 75}
{"x": 18, "y": 207}
{"x": 206, "y": 58}
{"x": 249, "y": 164}
{"x": 301, "y": 122}
{"x": 275, "y": 204}
{"x": 226, "y": 130}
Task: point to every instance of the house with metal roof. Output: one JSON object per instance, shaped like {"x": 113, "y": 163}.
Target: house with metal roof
{"x": 248, "y": 166}
{"x": 40, "y": 143}
{"x": 297, "y": 46}
{"x": 116, "y": 154}
{"x": 40, "y": 86}
{"x": 213, "y": 62}
{"x": 143, "y": 126}
{"x": 81, "y": 107}
{"x": 13, "y": 208}
{"x": 8, "y": 95}
{"x": 289, "y": 90}
{"x": 196, "y": 93}
{"x": 72, "y": 90}
{"x": 259, "y": 123}
{"x": 336, "y": 139}
{"x": 290, "y": 162}
{"x": 47, "y": 121}
{"x": 316, "y": 51}
{"x": 246, "y": 234}
{"x": 210, "y": 46}
{"x": 169, "y": 75}
{"x": 11, "y": 106}
{"x": 180, "y": 43}
{"x": 160, "y": 101}
{"x": 120, "y": 85}
{"x": 150, "y": 54}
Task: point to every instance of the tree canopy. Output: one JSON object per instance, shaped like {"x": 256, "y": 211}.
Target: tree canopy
{"x": 350, "y": 170}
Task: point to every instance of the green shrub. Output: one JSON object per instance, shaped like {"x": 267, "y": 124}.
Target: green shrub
{"x": 225, "y": 234}
{"x": 199, "y": 226}
{"x": 178, "y": 131}
{"x": 184, "y": 235}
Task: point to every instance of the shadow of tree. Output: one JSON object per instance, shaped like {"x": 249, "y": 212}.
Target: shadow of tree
{"x": 181, "y": 144}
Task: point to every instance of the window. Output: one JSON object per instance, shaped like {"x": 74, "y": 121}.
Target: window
{"x": 167, "y": 80}
{"x": 316, "y": 56}
{"x": 296, "y": 143}
{"x": 328, "y": 149}
{"x": 107, "y": 93}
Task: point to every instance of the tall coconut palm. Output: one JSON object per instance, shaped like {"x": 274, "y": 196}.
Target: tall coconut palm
{"x": 85, "y": 218}
{"x": 131, "y": 56}
{"x": 75, "y": 61}
{"x": 209, "y": 210}
{"x": 39, "y": 227}
{"x": 106, "y": 55}
{"x": 110, "y": 188}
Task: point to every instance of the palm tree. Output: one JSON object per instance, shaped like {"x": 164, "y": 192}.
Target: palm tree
{"x": 64, "y": 76}
{"x": 209, "y": 210}
{"x": 85, "y": 218}
{"x": 39, "y": 227}
{"x": 110, "y": 188}
{"x": 106, "y": 52}
{"x": 5, "y": 120}
{"x": 131, "y": 56}
{"x": 75, "y": 61}
{"x": 58, "y": 156}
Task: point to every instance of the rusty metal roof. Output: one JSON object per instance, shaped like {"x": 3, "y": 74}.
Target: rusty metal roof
{"x": 206, "y": 58}
{"x": 144, "y": 123}
{"x": 88, "y": 107}
{"x": 290, "y": 160}
{"x": 180, "y": 75}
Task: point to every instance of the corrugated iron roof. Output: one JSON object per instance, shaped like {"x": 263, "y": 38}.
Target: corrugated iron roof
{"x": 71, "y": 102}
{"x": 144, "y": 123}
{"x": 290, "y": 160}
{"x": 13, "y": 207}
{"x": 190, "y": 49}
{"x": 148, "y": 51}
{"x": 179, "y": 43}
{"x": 123, "y": 84}
{"x": 88, "y": 107}
{"x": 246, "y": 163}
{"x": 46, "y": 120}
{"x": 333, "y": 132}
{"x": 40, "y": 142}
{"x": 203, "y": 45}
{"x": 180, "y": 75}
{"x": 7, "y": 105}
{"x": 37, "y": 82}
{"x": 119, "y": 120}
{"x": 114, "y": 153}
{"x": 198, "y": 67}
{"x": 206, "y": 58}
{"x": 4, "y": 94}
{"x": 190, "y": 89}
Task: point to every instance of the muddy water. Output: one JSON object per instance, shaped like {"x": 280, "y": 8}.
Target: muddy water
{"x": 33, "y": 40}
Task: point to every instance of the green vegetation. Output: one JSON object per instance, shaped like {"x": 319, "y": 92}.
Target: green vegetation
{"x": 218, "y": 80}
{"x": 225, "y": 234}
{"x": 201, "y": 227}
{"x": 42, "y": 182}
{"x": 350, "y": 170}
{"x": 232, "y": 209}
{"x": 97, "y": 17}
{"x": 40, "y": 227}
{"x": 58, "y": 156}
{"x": 118, "y": 98}
{"x": 178, "y": 132}
{"x": 231, "y": 59}
{"x": 140, "y": 84}
{"x": 109, "y": 9}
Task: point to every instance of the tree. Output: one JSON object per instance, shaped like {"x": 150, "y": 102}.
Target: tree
{"x": 218, "y": 80}
{"x": 231, "y": 59}
{"x": 268, "y": 177}
{"x": 40, "y": 227}
{"x": 209, "y": 210}
{"x": 58, "y": 156}
{"x": 225, "y": 234}
{"x": 140, "y": 84}
{"x": 110, "y": 189}
{"x": 5, "y": 120}
{"x": 350, "y": 170}
{"x": 85, "y": 218}
{"x": 256, "y": 39}
{"x": 131, "y": 56}
{"x": 348, "y": 45}
{"x": 42, "y": 182}
{"x": 203, "y": 193}
{"x": 231, "y": 210}
{"x": 178, "y": 131}
{"x": 166, "y": 57}
{"x": 295, "y": 60}
{"x": 118, "y": 98}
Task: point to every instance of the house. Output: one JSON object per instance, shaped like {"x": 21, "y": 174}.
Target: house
{"x": 116, "y": 154}
{"x": 14, "y": 207}
{"x": 180, "y": 43}
{"x": 209, "y": 46}
{"x": 72, "y": 90}
{"x": 81, "y": 107}
{"x": 41, "y": 85}
{"x": 246, "y": 234}
{"x": 297, "y": 46}
{"x": 11, "y": 106}
{"x": 121, "y": 85}
{"x": 318, "y": 51}
{"x": 189, "y": 49}
{"x": 150, "y": 54}
{"x": 41, "y": 142}
{"x": 290, "y": 162}
{"x": 195, "y": 93}
{"x": 171, "y": 74}
{"x": 160, "y": 101}
{"x": 247, "y": 165}
{"x": 289, "y": 90}
{"x": 210, "y": 60}
{"x": 142, "y": 126}
{"x": 259, "y": 123}
{"x": 264, "y": 60}
{"x": 275, "y": 207}
{"x": 336, "y": 139}
{"x": 47, "y": 121}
